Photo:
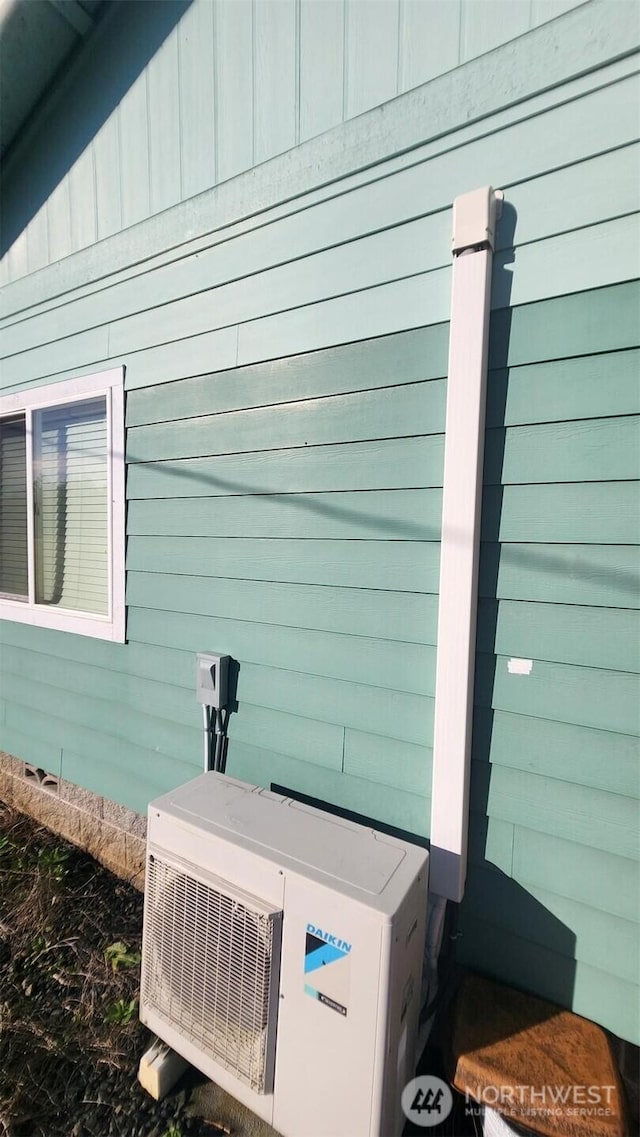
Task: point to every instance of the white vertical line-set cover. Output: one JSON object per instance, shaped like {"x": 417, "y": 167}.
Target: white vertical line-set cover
{"x": 474, "y": 218}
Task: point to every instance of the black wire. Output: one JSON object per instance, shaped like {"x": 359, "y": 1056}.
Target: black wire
{"x": 208, "y": 728}
{"x": 220, "y": 752}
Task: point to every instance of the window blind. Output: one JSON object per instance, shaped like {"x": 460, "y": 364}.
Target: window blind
{"x": 14, "y": 572}
{"x": 71, "y": 506}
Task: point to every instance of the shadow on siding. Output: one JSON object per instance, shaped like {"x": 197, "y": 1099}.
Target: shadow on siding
{"x": 504, "y": 931}
{"x": 122, "y": 46}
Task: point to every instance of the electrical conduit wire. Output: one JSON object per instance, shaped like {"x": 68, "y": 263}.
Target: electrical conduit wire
{"x": 215, "y": 738}
{"x": 206, "y": 722}
{"x": 221, "y": 721}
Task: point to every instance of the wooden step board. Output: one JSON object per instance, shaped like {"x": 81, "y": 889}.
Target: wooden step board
{"x": 538, "y": 1065}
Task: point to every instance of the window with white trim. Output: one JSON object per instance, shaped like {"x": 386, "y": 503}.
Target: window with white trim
{"x": 62, "y": 506}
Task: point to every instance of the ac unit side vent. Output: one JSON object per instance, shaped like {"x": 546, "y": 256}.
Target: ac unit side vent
{"x": 210, "y": 969}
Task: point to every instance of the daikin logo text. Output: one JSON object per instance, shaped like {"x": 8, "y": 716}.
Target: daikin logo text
{"x": 328, "y": 938}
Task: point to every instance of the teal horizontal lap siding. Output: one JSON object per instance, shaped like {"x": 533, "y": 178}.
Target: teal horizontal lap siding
{"x": 579, "y": 755}
{"x": 292, "y": 511}
{"x": 381, "y": 464}
{"x": 512, "y": 156}
{"x": 156, "y": 718}
{"x": 582, "y": 450}
{"x": 551, "y": 900}
{"x": 233, "y": 508}
{"x": 325, "y": 591}
{"x": 373, "y": 259}
{"x": 361, "y": 706}
{"x": 527, "y": 333}
{"x": 404, "y": 566}
{"x": 580, "y": 513}
{"x": 593, "y": 992}
{"x": 602, "y": 940}
{"x": 406, "y": 666}
{"x": 401, "y": 303}
{"x": 575, "y": 451}
{"x": 417, "y": 409}
{"x": 592, "y": 817}
{"x": 579, "y": 387}
{"x": 351, "y": 368}
{"x": 578, "y": 325}
{"x": 163, "y": 646}
{"x": 324, "y": 312}
{"x": 127, "y": 767}
{"x": 403, "y": 809}
{"x": 579, "y": 872}
{"x": 604, "y": 575}
{"x": 592, "y": 449}
{"x": 130, "y": 726}
{"x": 605, "y": 700}
{"x": 607, "y": 638}
{"x": 357, "y": 611}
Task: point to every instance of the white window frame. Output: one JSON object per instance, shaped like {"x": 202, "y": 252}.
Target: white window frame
{"x": 110, "y": 384}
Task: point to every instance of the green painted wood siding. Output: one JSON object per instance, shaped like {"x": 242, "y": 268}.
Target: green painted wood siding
{"x": 201, "y": 92}
{"x": 556, "y": 749}
{"x": 330, "y": 606}
{"x": 285, "y": 379}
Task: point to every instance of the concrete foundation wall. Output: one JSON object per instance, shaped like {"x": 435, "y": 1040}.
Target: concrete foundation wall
{"x": 111, "y": 833}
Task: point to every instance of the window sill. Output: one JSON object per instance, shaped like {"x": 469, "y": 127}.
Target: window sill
{"x": 63, "y": 620}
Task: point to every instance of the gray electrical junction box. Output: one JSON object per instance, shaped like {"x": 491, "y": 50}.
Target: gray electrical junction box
{"x": 212, "y": 679}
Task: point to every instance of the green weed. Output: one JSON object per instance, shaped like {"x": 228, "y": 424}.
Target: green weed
{"x": 119, "y": 955}
{"x": 121, "y": 1012}
{"x": 54, "y": 862}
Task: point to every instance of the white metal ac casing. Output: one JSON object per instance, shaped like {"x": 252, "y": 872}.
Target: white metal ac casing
{"x": 341, "y": 1025}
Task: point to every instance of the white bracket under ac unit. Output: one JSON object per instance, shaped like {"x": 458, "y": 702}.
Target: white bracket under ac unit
{"x": 282, "y": 955}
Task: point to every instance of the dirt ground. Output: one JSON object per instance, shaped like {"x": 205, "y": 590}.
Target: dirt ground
{"x": 70, "y": 1039}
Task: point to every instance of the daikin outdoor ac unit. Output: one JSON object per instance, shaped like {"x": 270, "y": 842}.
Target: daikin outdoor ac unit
{"x": 282, "y": 955}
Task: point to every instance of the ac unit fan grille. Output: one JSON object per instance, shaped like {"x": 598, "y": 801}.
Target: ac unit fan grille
{"x": 207, "y": 968}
